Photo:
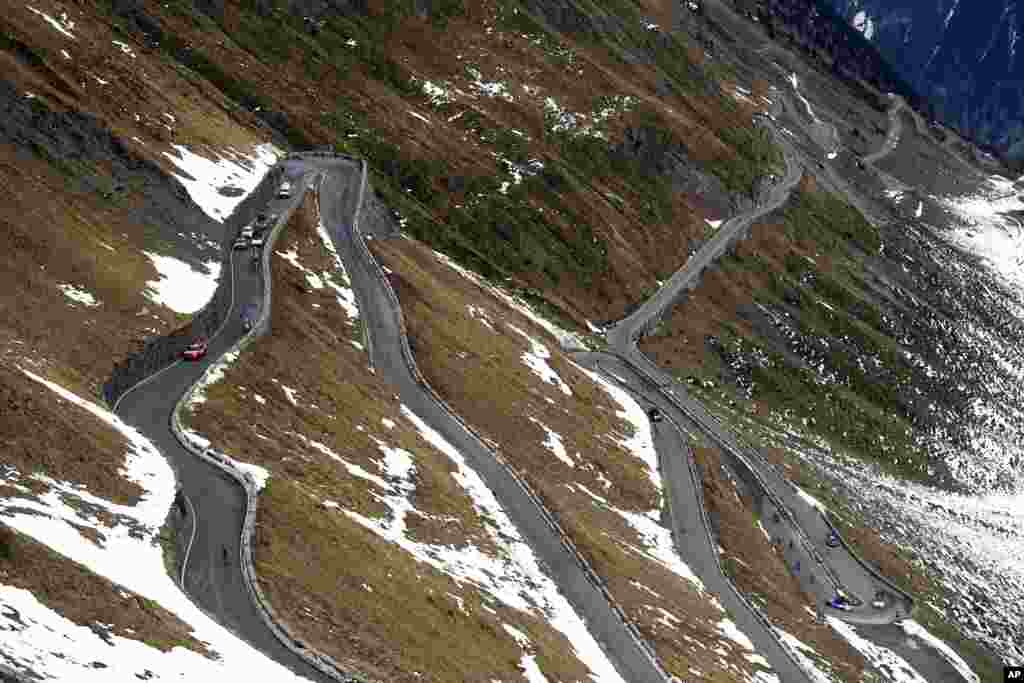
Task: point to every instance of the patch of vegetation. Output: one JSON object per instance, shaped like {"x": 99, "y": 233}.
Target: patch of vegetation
{"x": 755, "y": 154}
{"x": 833, "y": 224}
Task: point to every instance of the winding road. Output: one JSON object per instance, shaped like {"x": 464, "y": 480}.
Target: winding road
{"x": 216, "y": 504}
{"x": 338, "y": 192}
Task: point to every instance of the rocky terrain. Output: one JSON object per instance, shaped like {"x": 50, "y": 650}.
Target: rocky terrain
{"x": 961, "y": 59}
{"x": 535, "y": 171}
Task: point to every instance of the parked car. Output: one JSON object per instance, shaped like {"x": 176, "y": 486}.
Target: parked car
{"x": 285, "y": 191}
{"x": 655, "y": 415}
{"x": 240, "y": 243}
{"x": 196, "y": 350}
{"x": 257, "y": 241}
{"x": 247, "y": 232}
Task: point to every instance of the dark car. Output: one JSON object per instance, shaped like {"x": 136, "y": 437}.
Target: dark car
{"x": 833, "y": 539}
{"x": 196, "y": 350}
{"x": 839, "y": 602}
{"x": 655, "y": 415}
{"x": 250, "y": 313}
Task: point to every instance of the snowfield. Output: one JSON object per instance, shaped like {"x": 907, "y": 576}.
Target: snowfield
{"x": 37, "y": 639}
{"x": 204, "y": 178}
{"x": 181, "y": 288}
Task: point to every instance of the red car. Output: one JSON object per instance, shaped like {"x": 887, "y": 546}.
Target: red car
{"x": 196, "y": 350}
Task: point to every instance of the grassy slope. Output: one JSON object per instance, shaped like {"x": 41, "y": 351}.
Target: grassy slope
{"x": 359, "y": 598}
{"x": 465, "y": 360}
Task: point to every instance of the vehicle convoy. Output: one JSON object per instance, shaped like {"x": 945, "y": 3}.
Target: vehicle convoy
{"x": 196, "y": 350}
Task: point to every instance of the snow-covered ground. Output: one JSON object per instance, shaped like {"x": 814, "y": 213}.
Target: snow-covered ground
{"x": 180, "y": 287}
{"x": 204, "y": 178}
{"x": 537, "y": 360}
{"x": 516, "y": 578}
{"x": 78, "y": 295}
{"x": 36, "y": 638}
{"x": 974, "y": 543}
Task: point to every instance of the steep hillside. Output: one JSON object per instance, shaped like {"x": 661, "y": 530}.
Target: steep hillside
{"x": 537, "y": 170}
{"x": 962, "y": 60}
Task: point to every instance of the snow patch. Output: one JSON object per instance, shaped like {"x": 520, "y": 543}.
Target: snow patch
{"x": 78, "y": 295}
{"x": 204, "y": 178}
{"x": 181, "y": 288}
{"x": 129, "y": 555}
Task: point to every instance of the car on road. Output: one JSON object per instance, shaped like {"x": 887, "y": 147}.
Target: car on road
{"x": 266, "y": 220}
{"x": 833, "y": 539}
{"x": 257, "y": 241}
{"x": 196, "y": 350}
{"x": 655, "y": 415}
{"x": 839, "y": 602}
{"x": 240, "y": 243}
{"x": 285, "y": 191}
{"x": 247, "y": 232}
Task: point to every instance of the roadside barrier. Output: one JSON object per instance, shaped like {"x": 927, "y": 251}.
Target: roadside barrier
{"x": 271, "y": 619}
{"x": 160, "y": 353}
{"x": 549, "y": 518}
{"x": 698, "y": 487}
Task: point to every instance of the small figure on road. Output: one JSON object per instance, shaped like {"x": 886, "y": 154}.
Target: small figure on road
{"x": 224, "y": 553}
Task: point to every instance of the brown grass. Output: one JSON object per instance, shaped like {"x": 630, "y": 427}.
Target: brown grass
{"x": 482, "y": 376}
{"x": 343, "y": 589}
{"x": 88, "y": 599}
{"x": 759, "y": 571}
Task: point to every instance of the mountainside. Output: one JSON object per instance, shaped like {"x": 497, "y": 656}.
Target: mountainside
{"x": 514, "y": 340}
{"x": 962, "y": 58}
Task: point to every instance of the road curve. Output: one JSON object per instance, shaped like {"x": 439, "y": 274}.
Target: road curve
{"x": 385, "y": 330}
{"x": 893, "y": 135}
{"x": 622, "y": 336}
{"x": 218, "y": 503}
{"x": 796, "y": 525}
{"x": 684, "y": 500}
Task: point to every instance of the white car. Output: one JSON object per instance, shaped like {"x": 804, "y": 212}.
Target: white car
{"x": 257, "y": 242}
{"x": 285, "y": 191}
{"x": 247, "y": 232}
{"x": 240, "y": 243}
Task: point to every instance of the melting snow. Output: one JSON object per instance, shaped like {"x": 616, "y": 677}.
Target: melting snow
{"x": 553, "y": 442}
{"x": 893, "y": 667}
{"x": 204, "y": 178}
{"x": 797, "y": 647}
{"x": 537, "y": 360}
{"x": 80, "y": 295}
{"x": 215, "y": 374}
{"x": 915, "y": 629}
{"x": 125, "y": 48}
{"x": 862, "y": 22}
{"x": 346, "y": 297}
{"x": 515, "y": 579}
{"x": 64, "y": 26}
{"x": 181, "y": 288}
{"x": 566, "y": 339}
{"x": 43, "y": 641}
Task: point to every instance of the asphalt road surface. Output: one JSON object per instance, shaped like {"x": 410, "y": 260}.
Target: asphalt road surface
{"x": 337, "y": 196}
{"x": 893, "y": 135}
{"x": 218, "y": 501}
{"x": 684, "y": 501}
